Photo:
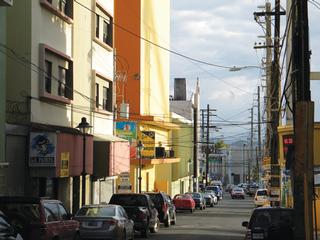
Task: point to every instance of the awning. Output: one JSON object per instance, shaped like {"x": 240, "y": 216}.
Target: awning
{"x": 107, "y": 138}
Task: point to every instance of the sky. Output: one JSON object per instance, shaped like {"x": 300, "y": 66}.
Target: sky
{"x": 225, "y": 33}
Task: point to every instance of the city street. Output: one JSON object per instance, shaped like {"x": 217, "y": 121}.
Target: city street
{"x": 222, "y": 222}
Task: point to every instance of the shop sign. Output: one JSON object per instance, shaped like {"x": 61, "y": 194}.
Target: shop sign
{"x": 42, "y": 149}
{"x": 64, "y": 164}
{"x": 148, "y": 141}
{"x": 125, "y": 185}
{"x": 127, "y": 130}
{"x": 287, "y": 140}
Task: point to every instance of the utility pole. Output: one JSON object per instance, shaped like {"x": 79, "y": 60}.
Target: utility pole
{"x": 251, "y": 147}
{"x": 303, "y": 111}
{"x": 195, "y": 138}
{"x": 207, "y": 145}
{"x": 275, "y": 168}
{"x": 259, "y": 138}
{"x": 243, "y": 164}
{"x": 207, "y": 142}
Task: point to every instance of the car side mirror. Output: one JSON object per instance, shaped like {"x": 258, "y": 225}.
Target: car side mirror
{"x": 245, "y": 224}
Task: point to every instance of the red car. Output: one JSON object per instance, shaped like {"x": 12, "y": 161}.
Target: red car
{"x": 184, "y": 202}
{"x": 37, "y": 218}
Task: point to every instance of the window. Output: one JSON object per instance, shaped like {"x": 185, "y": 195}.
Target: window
{"x": 104, "y": 93}
{"x": 63, "y": 213}
{"x": 97, "y": 95}
{"x": 48, "y": 74}
{"x": 62, "y": 81}
{"x": 51, "y": 212}
{"x": 56, "y": 81}
{"x": 97, "y": 25}
{"x": 104, "y": 28}
{"x": 61, "y": 8}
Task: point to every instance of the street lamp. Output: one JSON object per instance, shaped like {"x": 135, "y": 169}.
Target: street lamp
{"x": 235, "y": 68}
{"x": 84, "y": 128}
{"x": 139, "y": 148}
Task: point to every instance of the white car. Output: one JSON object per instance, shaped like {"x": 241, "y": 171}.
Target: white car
{"x": 214, "y": 196}
{"x": 261, "y": 198}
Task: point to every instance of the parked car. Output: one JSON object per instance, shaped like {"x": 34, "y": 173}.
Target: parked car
{"x": 184, "y": 202}
{"x": 165, "y": 208}
{"x": 209, "y": 199}
{"x": 101, "y": 221}
{"x": 270, "y": 223}
{"x": 7, "y": 232}
{"x": 198, "y": 199}
{"x": 229, "y": 187}
{"x": 261, "y": 198}
{"x": 39, "y": 218}
{"x": 237, "y": 193}
{"x": 251, "y": 189}
{"x": 217, "y": 190}
{"x": 140, "y": 209}
{"x": 214, "y": 196}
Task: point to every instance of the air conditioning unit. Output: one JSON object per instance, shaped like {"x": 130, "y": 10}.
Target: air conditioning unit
{"x": 8, "y": 3}
{"x": 124, "y": 110}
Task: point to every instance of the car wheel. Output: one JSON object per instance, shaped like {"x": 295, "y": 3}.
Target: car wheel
{"x": 167, "y": 222}
{"x": 155, "y": 228}
{"x": 191, "y": 210}
{"x": 174, "y": 220}
{"x": 211, "y": 205}
{"x": 145, "y": 233}
{"x": 124, "y": 236}
{"x": 77, "y": 236}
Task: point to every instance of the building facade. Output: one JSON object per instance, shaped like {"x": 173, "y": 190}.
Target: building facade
{"x": 61, "y": 72}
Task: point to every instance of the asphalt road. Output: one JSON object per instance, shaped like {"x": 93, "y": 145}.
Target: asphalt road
{"x": 222, "y": 222}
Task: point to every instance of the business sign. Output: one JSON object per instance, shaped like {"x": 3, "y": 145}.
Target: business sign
{"x": 42, "y": 149}
{"x": 64, "y": 164}
{"x": 287, "y": 140}
{"x": 125, "y": 185}
{"x": 148, "y": 141}
{"x": 127, "y": 130}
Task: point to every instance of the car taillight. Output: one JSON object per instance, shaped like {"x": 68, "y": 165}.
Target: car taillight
{"x": 256, "y": 199}
{"x": 110, "y": 222}
{"x": 164, "y": 207}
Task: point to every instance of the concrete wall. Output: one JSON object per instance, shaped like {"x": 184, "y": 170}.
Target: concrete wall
{"x": 155, "y": 63}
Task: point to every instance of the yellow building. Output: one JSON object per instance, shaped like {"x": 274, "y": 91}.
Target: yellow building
{"x": 285, "y": 138}
{"x": 143, "y": 89}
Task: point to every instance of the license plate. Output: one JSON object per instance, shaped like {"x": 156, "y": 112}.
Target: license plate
{"x": 257, "y": 236}
{"x": 91, "y": 224}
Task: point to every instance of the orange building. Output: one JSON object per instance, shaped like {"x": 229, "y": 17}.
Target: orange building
{"x": 142, "y": 83}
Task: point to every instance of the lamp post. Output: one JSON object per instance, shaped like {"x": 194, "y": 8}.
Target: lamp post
{"x": 84, "y": 127}
{"x": 139, "y": 148}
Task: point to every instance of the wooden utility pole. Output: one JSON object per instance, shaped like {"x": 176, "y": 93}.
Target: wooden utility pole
{"x": 275, "y": 168}
{"x": 251, "y": 147}
{"x": 207, "y": 145}
{"x": 303, "y": 109}
{"x": 259, "y": 137}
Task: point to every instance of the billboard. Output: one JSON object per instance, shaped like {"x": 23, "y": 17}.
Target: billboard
{"x": 148, "y": 141}
{"x": 128, "y": 131}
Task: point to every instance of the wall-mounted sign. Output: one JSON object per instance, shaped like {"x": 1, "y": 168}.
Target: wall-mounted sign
{"x": 42, "y": 149}
{"x": 64, "y": 164}
{"x": 287, "y": 140}
{"x": 148, "y": 141}
{"x": 127, "y": 130}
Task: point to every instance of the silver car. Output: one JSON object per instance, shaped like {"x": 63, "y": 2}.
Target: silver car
{"x": 104, "y": 221}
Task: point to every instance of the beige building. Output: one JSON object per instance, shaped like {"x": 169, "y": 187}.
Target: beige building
{"x": 60, "y": 69}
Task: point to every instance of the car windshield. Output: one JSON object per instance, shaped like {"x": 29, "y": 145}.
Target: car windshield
{"x": 24, "y": 211}
{"x": 265, "y": 218}
{"x": 129, "y": 200}
{"x": 96, "y": 212}
{"x": 262, "y": 193}
{"x": 196, "y": 195}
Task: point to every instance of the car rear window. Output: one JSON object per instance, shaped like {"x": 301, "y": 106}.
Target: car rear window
{"x": 27, "y": 212}
{"x": 266, "y": 217}
{"x": 156, "y": 199}
{"x": 129, "y": 200}
{"x": 262, "y": 193}
{"x": 96, "y": 212}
